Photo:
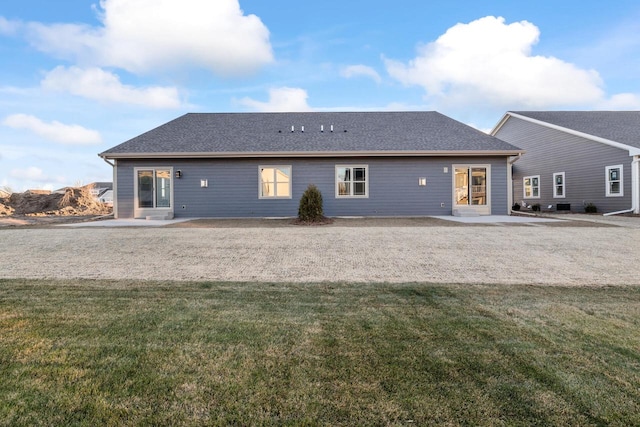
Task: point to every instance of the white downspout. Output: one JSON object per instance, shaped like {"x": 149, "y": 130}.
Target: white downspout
{"x": 635, "y": 189}
{"x": 635, "y": 184}
{"x": 510, "y": 163}
{"x": 115, "y": 189}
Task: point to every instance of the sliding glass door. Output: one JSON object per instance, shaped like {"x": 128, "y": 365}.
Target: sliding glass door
{"x": 153, "y": 190}
{"x": 471, "y": 187}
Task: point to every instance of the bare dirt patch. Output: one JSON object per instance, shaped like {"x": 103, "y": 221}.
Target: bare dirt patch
{"x": 331, "y": 222}
{"x": 359, "y": 222}
{"x": 468, "y": 254}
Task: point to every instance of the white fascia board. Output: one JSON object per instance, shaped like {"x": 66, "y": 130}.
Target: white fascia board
{"x": 270, "y": 154}
{"x": 633, "y": 151}
{"x": 497, "y": 127}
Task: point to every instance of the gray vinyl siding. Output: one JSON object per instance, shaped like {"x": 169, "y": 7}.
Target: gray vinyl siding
{"x": 233, "y": 186}
{"x": 123, "y": 196}
{"x": 583, "y": 161}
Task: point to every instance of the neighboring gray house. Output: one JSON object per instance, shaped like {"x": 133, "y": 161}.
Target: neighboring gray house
{"x": 574, "y": 158}
{"x": 259, "y": 164}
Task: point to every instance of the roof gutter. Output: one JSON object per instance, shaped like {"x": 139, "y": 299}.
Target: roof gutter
{"x": 515, "y": 158}
{"x": 272, "y": 154}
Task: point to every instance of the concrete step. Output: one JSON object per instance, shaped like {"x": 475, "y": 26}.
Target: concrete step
{"x": 465, "y": 212}
{"x": 159, "y": 217}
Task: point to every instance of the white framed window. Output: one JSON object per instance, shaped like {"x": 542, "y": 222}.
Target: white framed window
{"x": 531, "y": 187}
{"x": 559, "y": 186}
{"x": 613, "y": 175}
{"x": 274, "y": 182}
{"x": 352, "y": 181}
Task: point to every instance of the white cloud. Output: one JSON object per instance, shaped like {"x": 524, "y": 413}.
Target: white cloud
{"x": 97, "y": 84}
{"x": 360, "y": 70}
{"x": 283, "y": 99}
{"x": 9, "y": 27}
{"x": 54, "y": 131}
{"x": 142, "y": 36}
{"x": 31, "y": 173}
{"x": 34, "y": 177}
{"x": 621, "y": 101}
{"x": 488, "y": 61}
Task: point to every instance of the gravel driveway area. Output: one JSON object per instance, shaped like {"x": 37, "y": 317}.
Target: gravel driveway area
{"x": 515, "y": 254}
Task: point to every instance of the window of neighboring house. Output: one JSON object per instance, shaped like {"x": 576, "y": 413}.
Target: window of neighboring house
{"x": 275, "y": 182}
{"x": 352, "y": 181}
{"x": 154, "y": 188}
{"x": 559, "y": 189}
{"x": 531, "y": 187}
{"x": 614, "y": 181}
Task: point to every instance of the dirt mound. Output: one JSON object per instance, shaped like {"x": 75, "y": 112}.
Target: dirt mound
{"x": 4, "y": 209}
{"x": 74, "y": 201}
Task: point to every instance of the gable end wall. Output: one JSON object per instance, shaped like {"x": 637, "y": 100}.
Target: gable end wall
{"x": 549, "y": 151}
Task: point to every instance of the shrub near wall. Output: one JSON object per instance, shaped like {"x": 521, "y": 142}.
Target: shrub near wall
{"x": 310, "y": 208}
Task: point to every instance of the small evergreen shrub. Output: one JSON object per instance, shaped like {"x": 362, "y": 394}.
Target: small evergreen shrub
{"x": 310, "y": 208}
{"x": 590, "y": 208}
{"x": 516, "y": 207}
{"x": 536, "y": 207}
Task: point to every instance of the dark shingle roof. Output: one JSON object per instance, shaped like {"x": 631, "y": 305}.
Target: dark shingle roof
{"x": 617, "y": 126}
{"x": 214, "y": 134}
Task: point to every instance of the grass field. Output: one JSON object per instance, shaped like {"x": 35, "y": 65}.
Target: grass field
{"x": 140, "y": 353}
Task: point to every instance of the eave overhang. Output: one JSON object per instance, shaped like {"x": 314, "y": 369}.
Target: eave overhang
{"x": 272, "y": 154}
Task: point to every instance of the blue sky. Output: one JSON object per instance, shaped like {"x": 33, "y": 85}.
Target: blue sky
{"x": 80, "y": 76}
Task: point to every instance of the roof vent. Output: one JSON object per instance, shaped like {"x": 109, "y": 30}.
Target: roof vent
{"x": 321, "y": 128}
{"x": 292, "y": 128}
{"x": 302, "y": 129}
{"x": 331, "y": 128}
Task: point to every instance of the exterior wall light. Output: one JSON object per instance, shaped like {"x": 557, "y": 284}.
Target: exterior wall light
{"x": 178, "y": 174}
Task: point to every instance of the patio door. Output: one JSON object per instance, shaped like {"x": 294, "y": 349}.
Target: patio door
{"x": 471, "y": 188}
{"x": 153, "y": 191}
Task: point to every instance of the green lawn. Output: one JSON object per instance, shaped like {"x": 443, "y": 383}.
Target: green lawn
{"x": 140, "y": 353}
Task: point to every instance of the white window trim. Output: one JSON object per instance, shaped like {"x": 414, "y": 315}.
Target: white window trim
{"x": 524, "y": 192}
{"x": 260, "y": 196}
{"x": 352, "y": 196}
{"x": 607, "y": 182}
{"x": 555, "y": 186}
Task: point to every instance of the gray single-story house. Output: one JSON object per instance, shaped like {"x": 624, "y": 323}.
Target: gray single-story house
{"x": 234, "y": 165}
{"x": 575, "y": 158}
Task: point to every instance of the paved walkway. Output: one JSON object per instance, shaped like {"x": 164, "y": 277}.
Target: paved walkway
{"x": 498, "y": 219}
{"x": 619, "y": 220}
{"x": 127, "y": 223}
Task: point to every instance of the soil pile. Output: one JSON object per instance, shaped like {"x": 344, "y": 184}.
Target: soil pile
{"x": 74, "y": 201}
{"x": 4, "y": 209}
